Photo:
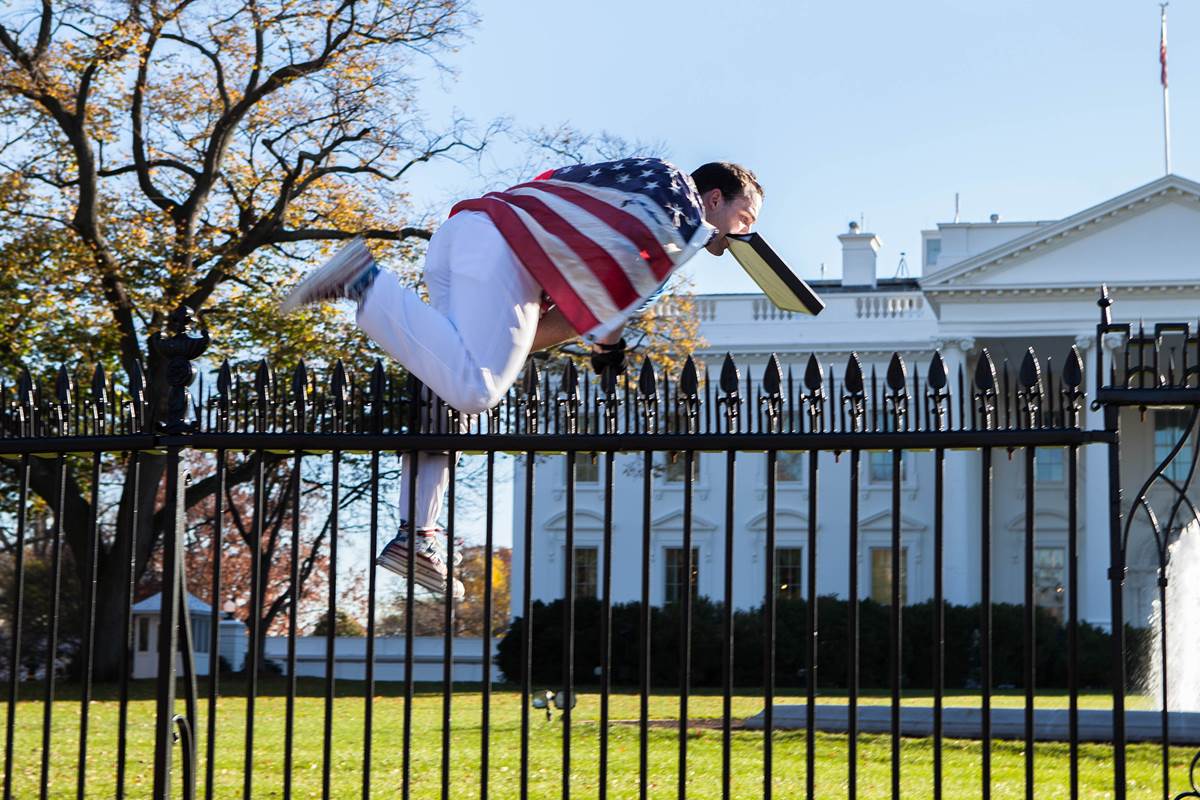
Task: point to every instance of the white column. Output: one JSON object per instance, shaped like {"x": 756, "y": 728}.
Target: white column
{"x": 960, "y": 512}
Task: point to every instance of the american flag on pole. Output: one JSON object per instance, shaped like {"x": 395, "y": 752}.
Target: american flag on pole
{"x": 600, "y": 238}
{"x": 1162, "y": 47}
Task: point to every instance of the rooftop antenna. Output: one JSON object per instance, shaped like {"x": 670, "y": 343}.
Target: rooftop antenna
{"x": 956, "y": 207}
{"x": 822, "y": 270}
{"x": 902, "y": 267}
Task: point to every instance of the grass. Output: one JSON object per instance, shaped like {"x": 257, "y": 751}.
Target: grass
{"x": 962, "y": 760}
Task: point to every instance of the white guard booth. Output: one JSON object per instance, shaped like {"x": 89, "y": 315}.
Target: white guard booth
{"x": 146, "y": 615}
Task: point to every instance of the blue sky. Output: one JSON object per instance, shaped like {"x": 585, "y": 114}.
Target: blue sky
{"x": 1031, "y": 110}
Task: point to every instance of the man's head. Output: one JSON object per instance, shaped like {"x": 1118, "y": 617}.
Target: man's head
{"x": 731, "y": 197}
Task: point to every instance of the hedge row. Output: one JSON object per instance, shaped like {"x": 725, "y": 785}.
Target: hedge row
{"x": 962, "y": 645}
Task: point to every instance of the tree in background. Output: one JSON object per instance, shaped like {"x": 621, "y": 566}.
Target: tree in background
{"x": 158, "y": 154}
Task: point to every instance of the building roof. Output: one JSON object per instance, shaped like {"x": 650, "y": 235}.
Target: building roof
{"x": 153, "y": 605}
{"x": 1076, "y": 225}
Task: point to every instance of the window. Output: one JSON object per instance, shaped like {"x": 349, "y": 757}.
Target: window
{"x": 1168, "y": 427}
{"x": 789, "y": 467}
{"x": 789, "y": 567}
{"x": 586, "y": 562}
{"x": 675, "y": 465}
{"x": 933, "y": 249}
{"x": 1049, "y": 577}
{"x": 587, "y": 468}
{"x": 1048, "y": 465}
{"x": 143, "y": 634}
{"x": 881, "y": 575}
{"x": 879, "y": 467}
{"x": 673, "y": 585}
{"x": 200, "y": 633}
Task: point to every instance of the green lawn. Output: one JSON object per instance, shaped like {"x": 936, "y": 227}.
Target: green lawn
{"x": 961, "y": 758}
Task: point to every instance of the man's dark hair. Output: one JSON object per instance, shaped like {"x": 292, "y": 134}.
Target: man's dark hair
{"x": 732, "y": 179}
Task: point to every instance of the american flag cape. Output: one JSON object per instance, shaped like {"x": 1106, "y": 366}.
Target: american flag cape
{"x": 600, "y": 238}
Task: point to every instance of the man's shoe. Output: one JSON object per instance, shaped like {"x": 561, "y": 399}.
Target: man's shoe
{"x": 429, "y": 568}
{"x": 348, "y": 274}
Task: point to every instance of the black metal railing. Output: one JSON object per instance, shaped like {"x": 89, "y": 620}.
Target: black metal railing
{"x": 63, "y": 441}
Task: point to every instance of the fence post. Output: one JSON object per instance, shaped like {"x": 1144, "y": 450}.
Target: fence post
{"x": 178, "y": 349}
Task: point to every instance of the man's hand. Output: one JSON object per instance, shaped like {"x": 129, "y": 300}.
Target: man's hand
{"x": 608, "y": 355}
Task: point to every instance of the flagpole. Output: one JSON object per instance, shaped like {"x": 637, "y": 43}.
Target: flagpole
{"x": 1162, "y": 55}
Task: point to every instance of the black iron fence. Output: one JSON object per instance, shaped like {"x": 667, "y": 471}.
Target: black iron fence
{"x": 100, "y": 478}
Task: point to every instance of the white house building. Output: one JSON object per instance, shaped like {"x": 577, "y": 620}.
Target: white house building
{"x": 999, "y": 285}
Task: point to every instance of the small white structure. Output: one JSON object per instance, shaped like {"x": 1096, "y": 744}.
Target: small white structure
{"x": 350, "y": 657}
{"x": 146, "y": 628}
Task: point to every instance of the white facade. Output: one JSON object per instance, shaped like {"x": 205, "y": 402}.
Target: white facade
{"x": 1003, "y": 286}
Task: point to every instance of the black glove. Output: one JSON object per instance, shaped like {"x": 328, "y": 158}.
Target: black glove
{"x": 610, "y": 355}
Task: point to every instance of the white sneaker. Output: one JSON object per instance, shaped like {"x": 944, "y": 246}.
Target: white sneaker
{"x": 348, "y": 274}
{"x": 429, "y": 568}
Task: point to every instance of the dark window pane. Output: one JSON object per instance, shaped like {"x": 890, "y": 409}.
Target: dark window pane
{"x": 1048, "y": 465}
{"x": 1168, "y": 427}
{"x": 789, "y": 467}
{"x": 586, "y": 562}
{"x": 1049, "y": 579}
{"x": 789, "y": 567}
{"x": 673, "y": 584}
{"x": 673, "y": 470}
{"x": 587, "y": 468}
{"x": 879, "y": 466}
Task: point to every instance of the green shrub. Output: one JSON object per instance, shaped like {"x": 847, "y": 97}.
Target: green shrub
{"x": 962, "y": 653}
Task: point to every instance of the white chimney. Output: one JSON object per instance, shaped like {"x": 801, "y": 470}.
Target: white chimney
{"x": 858, "y": 257}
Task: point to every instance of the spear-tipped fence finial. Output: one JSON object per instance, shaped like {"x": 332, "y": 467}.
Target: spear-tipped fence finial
{"x": 854, "y": 396}
{"x": 339, "y": 394}
{"x": 772, "y": 394}
{"x": 985, "y": 389}
{"x": 687, "y": 398}
{"x": 897, "y": 396}
{"x": 647, "y": 396}
{"x": 1030, "y": 393}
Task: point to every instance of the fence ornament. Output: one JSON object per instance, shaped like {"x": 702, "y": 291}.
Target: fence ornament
{"x": 608, "y": 399}
{"x": 897, "y": 396}
{"x": 378, "y": 395}
{"x": 771, "y": 394}
{"x": 854, "y": 395}
{"x": 64, "y": 387}
{"x": 531, "y": 402}
{"x": 299, "y": 397}
{"x": 339, "y": 393}
{"x": 730, "y": 398}
{"x": 26, "y": 403}
{"x": 985, "y": 391}
{"x": 264, "y": 385}
{"x": 1072, "y": 379}
{"x": 647, "y": 396}
{"x": 99, "y": 400}
{"x": 687, "y": 397}
{"x": 136, "y": 405}
{"x": 567, "y": 399}
{"x": 937, "y": 395}
{"x": 1030, "y": 394}
{"x": 180, "y": 348}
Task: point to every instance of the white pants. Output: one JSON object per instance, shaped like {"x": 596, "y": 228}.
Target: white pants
{"x": 468, "y": 344}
